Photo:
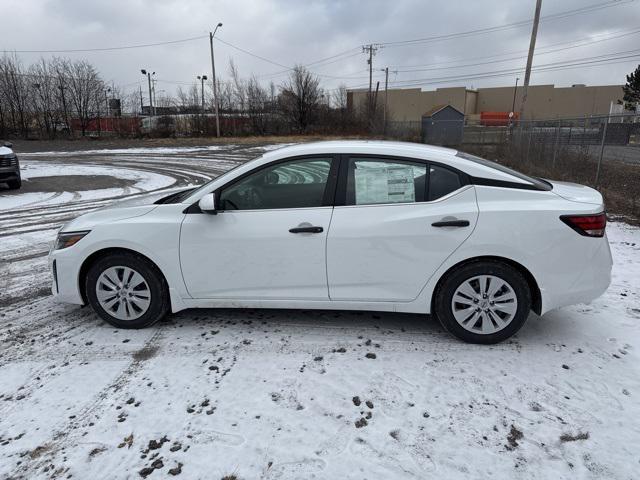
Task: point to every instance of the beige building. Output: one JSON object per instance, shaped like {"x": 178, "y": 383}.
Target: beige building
{"x": 543, "y": 101}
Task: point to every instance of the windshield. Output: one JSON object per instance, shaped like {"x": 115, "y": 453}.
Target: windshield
{"x": 538, "y": 182}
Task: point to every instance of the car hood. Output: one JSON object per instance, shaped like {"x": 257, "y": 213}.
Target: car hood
{"x": 577, "y": 193}
{"x": 120, "y": 210}
{"x": 5, "y": 151}
{"x": 142, "y": 200}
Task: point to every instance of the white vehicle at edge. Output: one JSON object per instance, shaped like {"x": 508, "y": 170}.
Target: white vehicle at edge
{"x": 357, "y": 225}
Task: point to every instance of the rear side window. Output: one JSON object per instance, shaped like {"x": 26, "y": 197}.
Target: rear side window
{"x": 442, "y": 181}
{"x": 537, "y": 182}
{"x": 378, "y": 181}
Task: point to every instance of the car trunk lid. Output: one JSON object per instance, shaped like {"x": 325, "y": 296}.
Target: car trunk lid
{"x": 577, "y": 193}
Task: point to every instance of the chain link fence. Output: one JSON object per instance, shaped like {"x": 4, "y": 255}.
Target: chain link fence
{"x": 599, "y": 151}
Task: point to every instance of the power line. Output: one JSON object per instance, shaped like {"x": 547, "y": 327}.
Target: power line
{"x": 252, "y": 54}
{"x": 108, "y": 49}
{"x": 558, "y": 15}
{"x": 521, "y": 52}
{"x": 588, "y": 61}
{"x": 507, "y": 26}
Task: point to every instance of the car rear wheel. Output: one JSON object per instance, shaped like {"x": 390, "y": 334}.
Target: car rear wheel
{"x": 127, "y": 290}
{"x": 483, "y": 302}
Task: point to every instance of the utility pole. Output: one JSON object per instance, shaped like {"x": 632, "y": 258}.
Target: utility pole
{"x": 371, "y": 50}
{"x": 515, "y": 90}
{"x": 213, "y": 75}
{"x": 512, "y": 114}
{"x": 153, "y": 90}
{"x": 532, "y": 47}
{"x": 141, "y": 104}
{"x": 386, "y": 86}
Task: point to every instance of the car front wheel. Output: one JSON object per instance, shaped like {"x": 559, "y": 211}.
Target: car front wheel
{"x": 483, "y": 302}
{"x": 127, "y": 290}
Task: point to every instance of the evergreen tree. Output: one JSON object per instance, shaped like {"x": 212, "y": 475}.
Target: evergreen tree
{"x": 632, "y": 88}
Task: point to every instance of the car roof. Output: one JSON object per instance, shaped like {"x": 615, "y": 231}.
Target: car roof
{"x": 403, "y": 149}
{"x": 442, "y": 155}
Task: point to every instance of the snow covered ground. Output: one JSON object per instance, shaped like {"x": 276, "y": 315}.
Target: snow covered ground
{"x": 283, "y": 394}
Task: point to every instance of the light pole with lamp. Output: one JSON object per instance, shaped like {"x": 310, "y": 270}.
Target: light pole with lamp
{"x": 213, "y": 74}
{"x": 202, "y": 78}
{"x": 148, "y": 74}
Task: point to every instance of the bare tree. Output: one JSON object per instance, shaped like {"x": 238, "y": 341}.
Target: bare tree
{"x": 257, "y": 106}
{"x": 45, "y": 98}
{"x": 86, "y": 91}
{"x": 300, "y": 98}
{"x": 59, "y": 67}
{"x": 238, "y": 87}
{"x": 15, "y": 96}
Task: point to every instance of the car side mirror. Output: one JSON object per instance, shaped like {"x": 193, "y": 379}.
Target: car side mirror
{"x": 208, "y": 204}
{"x": 8, "y": 144}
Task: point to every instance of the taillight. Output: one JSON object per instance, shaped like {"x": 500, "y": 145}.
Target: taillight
{"x": 587, "y": 225}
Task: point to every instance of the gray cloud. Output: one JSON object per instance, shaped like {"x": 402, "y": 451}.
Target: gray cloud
{"x": 290, "y": 32}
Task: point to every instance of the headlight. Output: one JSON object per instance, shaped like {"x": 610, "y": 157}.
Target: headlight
{"x": 68, "y": 239}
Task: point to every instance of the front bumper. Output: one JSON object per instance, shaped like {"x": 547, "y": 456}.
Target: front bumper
{"x": 9, "y": 173}
{"x": 65, "y": 270}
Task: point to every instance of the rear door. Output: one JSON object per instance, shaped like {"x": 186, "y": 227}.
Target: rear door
{"x": 394, "y": 223}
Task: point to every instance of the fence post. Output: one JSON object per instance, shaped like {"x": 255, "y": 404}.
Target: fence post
{"x": 529, "y": 142}
{"x": 604, "y": 136}
{"x": 555, "y": 147}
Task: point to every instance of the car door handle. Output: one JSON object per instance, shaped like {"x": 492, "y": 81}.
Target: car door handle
{"x": 310, "y": 229}
{"x": 451, "y": 223}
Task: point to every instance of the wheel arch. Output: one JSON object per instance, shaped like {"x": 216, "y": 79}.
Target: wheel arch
{"x": 536, "y": 295}
{"x": 98, "y": 254}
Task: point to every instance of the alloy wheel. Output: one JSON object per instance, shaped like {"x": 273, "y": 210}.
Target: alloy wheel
{"x": 123, "y": 293}
{"x": 484, "y": 304}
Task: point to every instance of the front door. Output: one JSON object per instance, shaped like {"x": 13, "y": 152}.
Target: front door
{"x": 388, "y": 239}
{"x": 269, "y": 239}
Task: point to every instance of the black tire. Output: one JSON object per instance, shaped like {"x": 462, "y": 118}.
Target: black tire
{"x": 15, "y": 184}
{"x": 159, "y": 304}
{"x": 444, "y": 295}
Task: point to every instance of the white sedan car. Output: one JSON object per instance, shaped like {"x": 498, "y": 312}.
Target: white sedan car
{"x": 347, "y": 225}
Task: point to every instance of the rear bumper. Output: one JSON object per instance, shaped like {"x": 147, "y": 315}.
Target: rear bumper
{"x": 592, "y": 281}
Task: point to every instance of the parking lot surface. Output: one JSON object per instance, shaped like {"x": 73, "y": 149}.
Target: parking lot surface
{"x": 293, "y": 394}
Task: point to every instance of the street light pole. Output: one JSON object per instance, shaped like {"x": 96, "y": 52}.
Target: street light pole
{"x": 148, "y": 74}
{"x": 215, "y": 87}
{"x": 202, "y": 79}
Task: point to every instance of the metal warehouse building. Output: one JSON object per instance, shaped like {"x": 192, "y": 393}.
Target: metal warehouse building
{"x": 543, "y": 101}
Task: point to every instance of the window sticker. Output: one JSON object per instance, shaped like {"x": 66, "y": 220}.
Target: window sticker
{"x": 384, "y": 185}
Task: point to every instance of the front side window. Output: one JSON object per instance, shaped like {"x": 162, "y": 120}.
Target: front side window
{"x": 299, "y": 183}
{"x": 377, "y": 181}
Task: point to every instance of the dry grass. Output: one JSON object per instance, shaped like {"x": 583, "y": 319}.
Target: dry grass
{"x": 25, "y": 146}
{"x": 619, "y": 182}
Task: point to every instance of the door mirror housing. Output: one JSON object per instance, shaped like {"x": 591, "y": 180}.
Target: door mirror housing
{"x": 208, "y": 204}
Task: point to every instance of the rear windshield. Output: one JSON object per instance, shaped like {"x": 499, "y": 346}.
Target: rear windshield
{"x": 538, "y": 182}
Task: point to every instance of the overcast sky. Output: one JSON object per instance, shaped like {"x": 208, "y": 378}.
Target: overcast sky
{"x": 289, "y": 32}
